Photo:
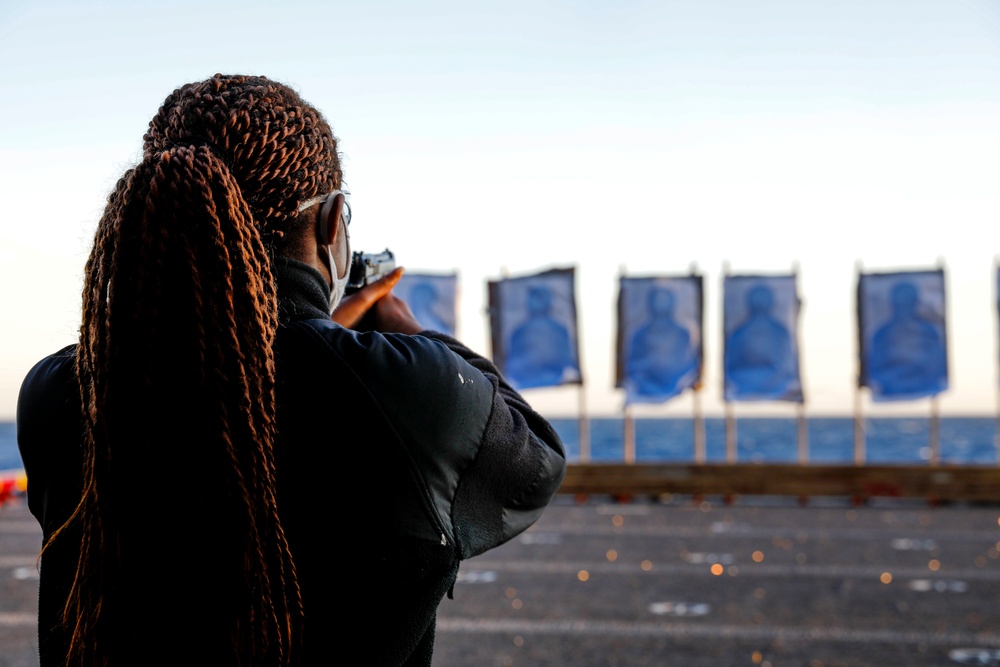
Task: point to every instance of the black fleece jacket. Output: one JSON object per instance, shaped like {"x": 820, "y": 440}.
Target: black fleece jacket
{"x": 397, "y": 457}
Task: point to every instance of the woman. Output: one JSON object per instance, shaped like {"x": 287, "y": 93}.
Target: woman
{"x": 223, "y": 474}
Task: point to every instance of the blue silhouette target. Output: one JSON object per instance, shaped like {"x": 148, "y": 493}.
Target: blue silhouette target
{"x": 659, "y": 337}
{"x": 432, "y": 298}
{"x": 533, "y": 322}
{"x": 903, "y": 334}
{"x": 760, "y": 322}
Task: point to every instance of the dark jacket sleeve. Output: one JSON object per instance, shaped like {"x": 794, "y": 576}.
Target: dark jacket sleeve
{"x": 518, "y": 468}
{"x": 49, "y": 432}
{"x": 482, "y": 461}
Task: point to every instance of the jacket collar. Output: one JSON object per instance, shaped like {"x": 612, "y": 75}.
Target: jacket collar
{"x": 303, "y": 293}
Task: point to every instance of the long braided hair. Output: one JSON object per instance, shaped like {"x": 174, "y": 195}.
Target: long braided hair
{"x": 176, "y": 373}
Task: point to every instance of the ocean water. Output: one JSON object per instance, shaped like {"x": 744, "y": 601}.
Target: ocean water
{"x": 9, "y": 457}
{"x": 897, "y": 440}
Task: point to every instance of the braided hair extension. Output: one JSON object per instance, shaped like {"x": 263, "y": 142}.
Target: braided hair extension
{"x": 176, "y": 363}
{"x": 281, "y": 151}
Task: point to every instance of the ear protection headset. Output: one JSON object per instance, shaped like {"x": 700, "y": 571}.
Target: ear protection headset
{"x": 326, "y": 212}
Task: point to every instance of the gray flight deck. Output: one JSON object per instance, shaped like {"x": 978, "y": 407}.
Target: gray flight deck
{"x": 757, "y": 580}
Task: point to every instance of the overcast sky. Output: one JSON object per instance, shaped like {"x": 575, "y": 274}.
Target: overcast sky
{"x": 524, "y": 135}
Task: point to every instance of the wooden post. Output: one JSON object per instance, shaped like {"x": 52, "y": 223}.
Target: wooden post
{"x": 700, "y": 454}
{"x": 803, "y": 435}
{"x": 803, "y": 427}
{"x": 935, "y": 417}
{"x": 699, "y": 427}
{"x": 730, "y": 434}
{"x": 935, "y": 432}
{"x": 629, "y": 435}
{"x": 859, "y": 425}
{"x": 730, "y": 417}
{"x": 584, "y": 419}
{"x": 859, "y": 430}
{"x": 458, "y": 300}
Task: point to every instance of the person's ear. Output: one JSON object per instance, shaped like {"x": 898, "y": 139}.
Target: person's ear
{"x": 329, "y": 219}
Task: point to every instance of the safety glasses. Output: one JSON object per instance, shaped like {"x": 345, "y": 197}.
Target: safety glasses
{"x": 329, "y": 202}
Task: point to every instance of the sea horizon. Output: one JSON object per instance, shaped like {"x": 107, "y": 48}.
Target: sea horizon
{"x": 905, "y": 440}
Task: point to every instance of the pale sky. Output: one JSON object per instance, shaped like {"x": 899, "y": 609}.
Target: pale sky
{"x": 526, "y": 135}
